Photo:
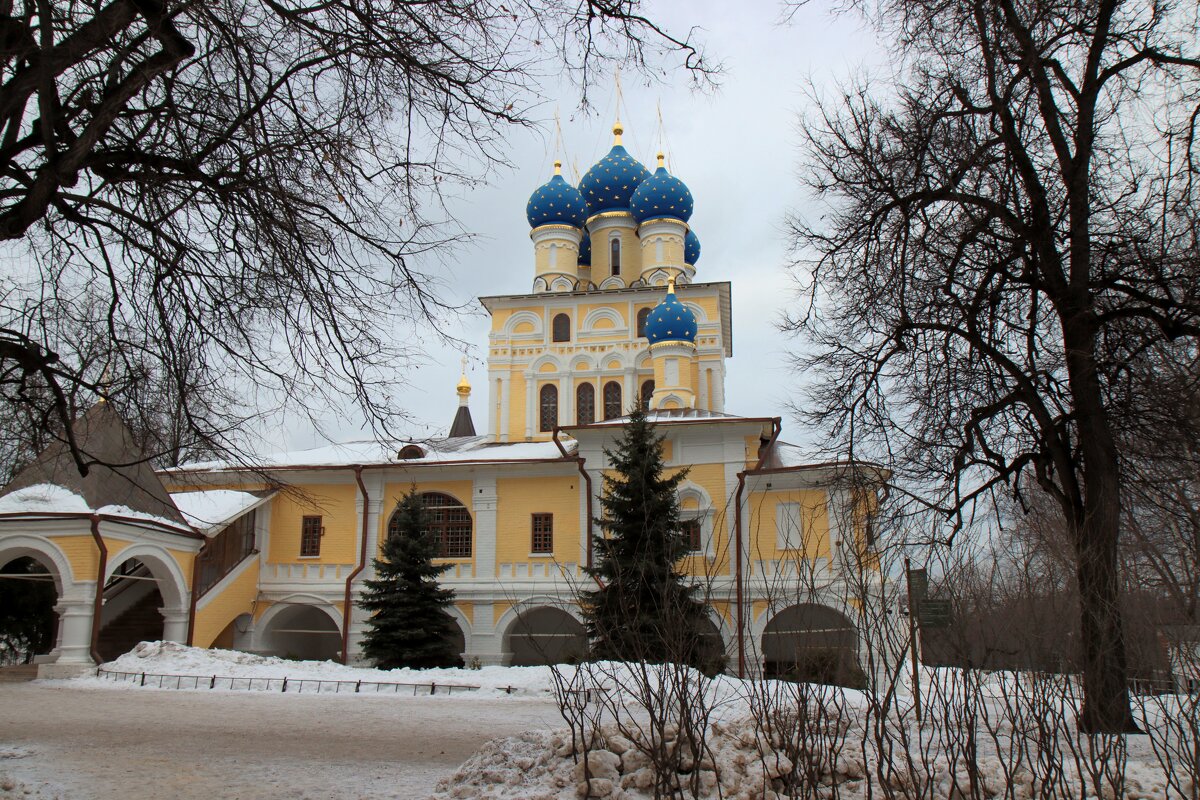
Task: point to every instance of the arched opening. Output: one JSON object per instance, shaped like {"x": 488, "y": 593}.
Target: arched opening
{"x": 28, "y": 623}
{"x": 710, "y": 650}
{"x": 612, "y": 400}
{"x": 548, "y": 407}
{"x": 302, "y": 632}
{"x": 546, "y": 635}
{"x": 647, "y": 393}
{"x": 811, "y": 643}
{"x": 614, "y": 255}
{"x": 585, "y": 404}
{"x": 642, "y": 316}
{"x": 132, "y": 609}
{"x": 560, "y": 328}
{"x": 449, "y": 525}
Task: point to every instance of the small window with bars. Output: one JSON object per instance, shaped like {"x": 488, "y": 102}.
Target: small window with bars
{"x": 311, "y": 531}
{"x": 543, "y": 533}
{"x": 693, "y": 535}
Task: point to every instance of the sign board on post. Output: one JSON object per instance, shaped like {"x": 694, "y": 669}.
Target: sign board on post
{"x": 933, "y": 614}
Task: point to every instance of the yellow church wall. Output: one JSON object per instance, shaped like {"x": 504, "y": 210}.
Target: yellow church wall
{"x": 235, "y": 599}
{"x": 81, "y": 552}
{"x": 499, "y": 609}
{"x": 467, "y": 609}
{"x": 522, "y": 497}
{"x": 764, "y": 507}
{"x": 631, "y": 256}
{"x": 516, "y": 406}
{"x": 335, "y": 505}
{"x": 621, "y": 308}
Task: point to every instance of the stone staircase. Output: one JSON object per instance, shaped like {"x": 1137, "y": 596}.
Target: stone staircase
{"x": 141, "y": 622}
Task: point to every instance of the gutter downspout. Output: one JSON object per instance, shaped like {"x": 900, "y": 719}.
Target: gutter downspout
{"x": 362, "y": 563}
{"x": 587, "y": 481}
{"x": 776, "y": 427}
{"x": 98, "y": 603}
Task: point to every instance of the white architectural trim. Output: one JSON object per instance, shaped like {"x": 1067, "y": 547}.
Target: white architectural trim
{"x": 172, "y": 583}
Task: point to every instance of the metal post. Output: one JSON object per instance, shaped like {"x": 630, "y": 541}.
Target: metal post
{"x": 912, "y": 632}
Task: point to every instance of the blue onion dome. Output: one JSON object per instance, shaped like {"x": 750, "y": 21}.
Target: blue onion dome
{"x": 585, "y": 251}
{"x": 556, "y": 202}
{"x": 662, "y": 195}
{"x": 611, "y": 182}
{"x": 671, "y": 320}
{"x": 691, "y": 248}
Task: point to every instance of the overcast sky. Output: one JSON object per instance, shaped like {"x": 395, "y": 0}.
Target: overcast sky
{"x": 737, "y": 148}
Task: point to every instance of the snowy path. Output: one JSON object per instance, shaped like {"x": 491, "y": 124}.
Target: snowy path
{"x": 85, "y": 743}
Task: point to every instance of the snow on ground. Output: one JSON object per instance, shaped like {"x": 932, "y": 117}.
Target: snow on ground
{"x": 170, "y": 658}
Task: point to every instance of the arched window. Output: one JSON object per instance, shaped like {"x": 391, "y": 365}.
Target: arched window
{"x": 449, "y": 525}
{"x": 612, "y": 400}
{"x": 642, "y": 316}
{"x": 585, "y": 404}
{"x": 647, "y": 392}
{"x": 614, "y": 255}
{"x": 560, "y": 328}
{"x": 548, "y": 402}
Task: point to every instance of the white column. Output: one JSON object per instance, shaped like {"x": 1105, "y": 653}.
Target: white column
{"x": 75, "y": 627}
{"x": 505, "y": 386}
{"x": 629, "y": 396}
{"x": 702, "y": 390}
{"x": 175, "y": 623}
{"x": 484, "y": 642}
{"x": 531, "y": 403}
{"x": 719, "y": 389}
{"x": 565, "y": 398}
{"x": 371, "y": 509}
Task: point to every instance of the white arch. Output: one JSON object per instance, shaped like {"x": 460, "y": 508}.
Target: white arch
{"x": 172, "y": 584}
{"x": 582, "y": 362}
{"x": 562, "y": 285}
{"x": 510, "y": 617}
{"x": 597, "y": 314}
{"x": 293, "y": 600}
{"x": 689, "y": 489}
{"x": 45, "y": 551}
{"x": 464, "y": 625}
{"x": 697, "y": 311}
{"x": 663, "y": 402}
{"x": 623, "y": 358}
{"x": 539, "y": 285}
{"x": 612, "y": 282}
{"x": 535, "y": 368}
{"x": 524, "y": 316}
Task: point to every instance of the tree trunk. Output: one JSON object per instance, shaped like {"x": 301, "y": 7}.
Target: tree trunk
{"x": 1096, "y": 533}
{"x": 1106, "y": 707}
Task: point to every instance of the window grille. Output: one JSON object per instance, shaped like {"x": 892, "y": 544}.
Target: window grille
{"x": 548, "y": 401}
{"x": 560, "y": 328}
{"x": 543, "y": 533}
{"x": 311, "y": 531}
{"x": 585, "y": 404}
{"x": 612, "y": 400}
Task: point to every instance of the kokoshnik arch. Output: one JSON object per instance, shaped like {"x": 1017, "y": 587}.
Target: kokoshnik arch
{"x": 615, "y": 317}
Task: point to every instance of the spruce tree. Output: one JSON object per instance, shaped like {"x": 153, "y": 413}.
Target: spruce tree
{"x": 644, "y": 609}
{"x": 409, "y": 625}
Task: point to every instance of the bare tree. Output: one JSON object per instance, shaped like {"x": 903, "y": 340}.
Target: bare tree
{"x": 1006, "y": 233}
{"x": 245, "y": 187}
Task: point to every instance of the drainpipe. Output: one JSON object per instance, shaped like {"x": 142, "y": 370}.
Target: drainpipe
{"x": 362, "y": 563}
{"x": 98, "y": 603}
{"x": 776, "y": 427}
{"x": 587, "y": 482}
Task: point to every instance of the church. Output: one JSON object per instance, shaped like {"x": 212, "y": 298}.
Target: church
{"x": 619, "y": 312}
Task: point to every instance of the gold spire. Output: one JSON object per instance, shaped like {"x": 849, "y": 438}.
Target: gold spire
{"x": 464, "y": 386}
{"x": 617, "y": 131}
{"x": 671, "y": 285}
{"x": 557, "y": 167}
{"x": 661, "y": 158}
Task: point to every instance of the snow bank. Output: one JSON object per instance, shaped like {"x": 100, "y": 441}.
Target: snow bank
{"x": 43, "y": 498}
{"x": 171, "y": 658}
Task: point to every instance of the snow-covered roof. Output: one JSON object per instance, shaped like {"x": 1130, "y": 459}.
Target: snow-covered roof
{"x": 671, "y": 415}
{"x": 209, "y": 511}
{"x": 471, "y": 449}
{"x": 49, "y": 498}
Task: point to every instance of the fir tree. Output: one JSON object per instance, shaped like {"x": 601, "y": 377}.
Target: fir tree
{"x": 643, "y": 610}
{"x": 409, "y": 625}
